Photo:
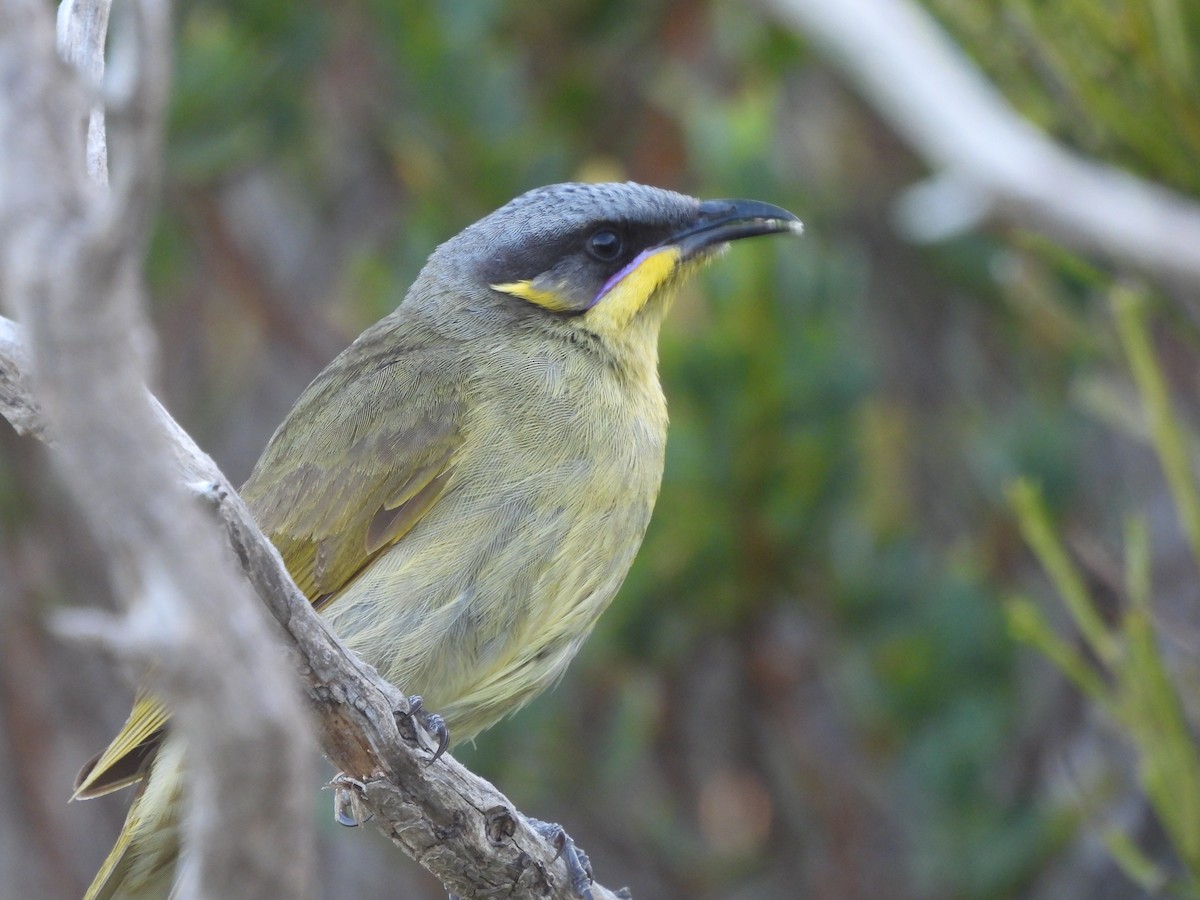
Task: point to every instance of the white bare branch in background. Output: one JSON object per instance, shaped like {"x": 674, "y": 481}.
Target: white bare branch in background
{"x": 82, "y": 29}
{"x": 990, "y": 161}
{"x": 71, "y": 268}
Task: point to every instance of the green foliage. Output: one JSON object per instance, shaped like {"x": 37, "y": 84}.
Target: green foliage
{"x": 1165, "y": 431}
{"x": 237, "y": 99}
{"x": 1118, "y": 79}
{"x": 1125, "y": 672}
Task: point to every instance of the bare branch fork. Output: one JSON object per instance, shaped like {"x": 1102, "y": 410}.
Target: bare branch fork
{"x": 70, "y": 267}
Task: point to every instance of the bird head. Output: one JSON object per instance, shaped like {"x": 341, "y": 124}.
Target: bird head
{"x": 597, "y": 258}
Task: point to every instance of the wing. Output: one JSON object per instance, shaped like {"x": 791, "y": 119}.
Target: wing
{"x": 367, "y": 450}
{"x": 124, "y": 760}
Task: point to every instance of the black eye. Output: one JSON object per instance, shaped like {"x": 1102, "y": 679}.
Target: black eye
{"x": 605, "y": 245}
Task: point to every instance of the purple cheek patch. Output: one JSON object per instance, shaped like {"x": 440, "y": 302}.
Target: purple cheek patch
{"x": 629, "y": 267}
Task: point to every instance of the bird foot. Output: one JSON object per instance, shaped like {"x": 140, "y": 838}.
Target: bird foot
{"x": 347, "y": 808}
{"x": 579, "y": 867}
{"x": 433, "y": 724}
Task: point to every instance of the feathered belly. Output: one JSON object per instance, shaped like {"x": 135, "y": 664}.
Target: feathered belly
{"x": 485, "y": 602}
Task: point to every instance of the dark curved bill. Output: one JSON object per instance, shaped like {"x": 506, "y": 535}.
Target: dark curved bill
{"x": 721, "y": 221}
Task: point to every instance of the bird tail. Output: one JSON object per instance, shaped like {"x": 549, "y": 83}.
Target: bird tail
{"x": 142, "y": 863}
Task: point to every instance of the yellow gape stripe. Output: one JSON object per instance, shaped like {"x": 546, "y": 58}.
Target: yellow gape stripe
{"x": 535, "y": 295}
{"x": 633, "y": 288}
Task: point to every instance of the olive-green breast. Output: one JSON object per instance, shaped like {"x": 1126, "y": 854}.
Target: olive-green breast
{"x": 463, "y": 511}
{"x": 485, "y": 601}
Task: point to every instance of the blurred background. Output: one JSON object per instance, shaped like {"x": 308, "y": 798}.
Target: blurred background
{"x": 811, "y": 684}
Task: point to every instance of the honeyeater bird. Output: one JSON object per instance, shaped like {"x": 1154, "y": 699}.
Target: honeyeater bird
{"x": 462, "y": 491}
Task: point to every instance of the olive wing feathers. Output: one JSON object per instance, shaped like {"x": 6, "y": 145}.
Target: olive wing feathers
{"x": 356, "y": 465}
{"x": 365, "y": 453}
{"x": 122, "y": 762}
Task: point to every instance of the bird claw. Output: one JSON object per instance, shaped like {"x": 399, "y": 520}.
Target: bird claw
{"x": 579, "y": 867}
{"x": 347, "y": 810}
{"x": 433, "y": 724}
